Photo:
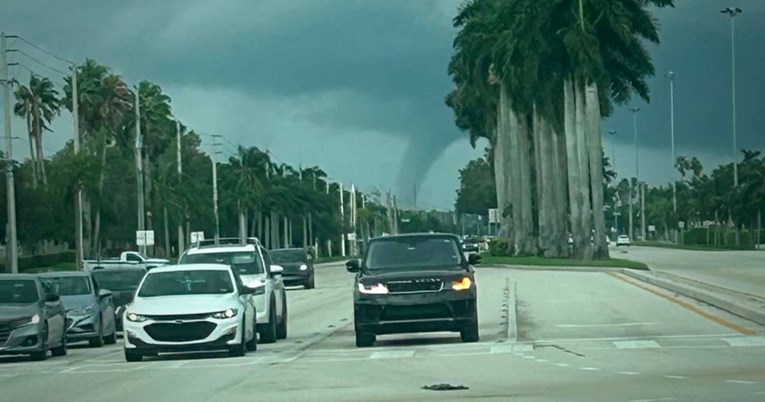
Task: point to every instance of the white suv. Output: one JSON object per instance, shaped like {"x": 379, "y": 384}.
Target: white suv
{"x": 253, "y": 264}
{"x": 623, "y": 240}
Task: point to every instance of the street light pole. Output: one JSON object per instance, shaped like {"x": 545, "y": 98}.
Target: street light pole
{"x": 671, "y": 76}
{"x": 733, "y": 12}
{"x": 634, "y": 111}
{"x": 139, "y": 171}
{"x": 215, "y": 188}
{"x": 11, "y": 245}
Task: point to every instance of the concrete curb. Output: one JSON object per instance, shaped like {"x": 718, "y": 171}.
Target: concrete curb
{"x": 734, "y": 304}
{"x": 559, "y": 268}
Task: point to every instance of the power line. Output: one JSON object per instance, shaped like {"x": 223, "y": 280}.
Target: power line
{"x": 39, "y": 62}
{"x": 43, "y": 50}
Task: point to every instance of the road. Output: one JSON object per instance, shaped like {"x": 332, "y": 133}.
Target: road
{"x": 742, "y": 271}
{"x": 567, "y": 337}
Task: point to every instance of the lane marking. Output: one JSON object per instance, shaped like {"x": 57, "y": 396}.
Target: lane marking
{"x": 392, "y": 354}
{"x": 589, "y": 368}
{"x": 745, "y": 342}
{"x": 541, "y": 360}
{"x": 562, "y": 365}
{"x": 654, "y": 400}
{"x": 688, "y": 306}
{"x": 624, "y": 324}
{"x": 632, "y": 338}
{"x": 675, "y": 377}
{"x": 628, "y": 373}
{"x": 740, "y": 382}
{"x": 636, "y": 344}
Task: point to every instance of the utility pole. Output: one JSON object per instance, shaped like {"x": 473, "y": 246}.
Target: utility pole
{"x": 733, "y": 12}
{"x": 215, "y": 189}
{"x": 11, "y": 247}
{"x": 78, "y": 230}
{"x": 415, "y": 197}
{"x": 342, "y": 220}
{"x": 139, "y": 169}
{"x": 178, "y": 138}
{"x": 634, "y": 111}
{"x": 671, "y": 76}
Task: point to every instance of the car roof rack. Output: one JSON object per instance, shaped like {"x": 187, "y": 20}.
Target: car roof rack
{"x": 227, "y": 241}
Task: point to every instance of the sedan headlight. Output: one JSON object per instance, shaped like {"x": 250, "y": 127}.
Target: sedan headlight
{"x": 81, "y": 311}
{"x": 303, "y": 267}
{"x": 462, "y": 284}
{"x": 228, "y": 313}
{"x": 376, "y": 289}
{"x": 135, "y": 317}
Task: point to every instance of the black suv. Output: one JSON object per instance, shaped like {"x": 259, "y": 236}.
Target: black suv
{"x": 414, "y": 283}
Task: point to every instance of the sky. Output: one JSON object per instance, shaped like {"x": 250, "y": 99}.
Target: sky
{"x": 357, "y": 87}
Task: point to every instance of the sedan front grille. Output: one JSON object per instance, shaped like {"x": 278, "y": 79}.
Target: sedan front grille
{"x": 180, "y": 332}
{"x": 415, "y": 285}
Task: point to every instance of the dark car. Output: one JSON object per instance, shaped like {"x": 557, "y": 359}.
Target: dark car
{"x": 89, "y": 309}
{"x": 122, "y": 282}
{"x": 32, "y": 318}
{"x": 297, "y": 264}
{"x": 414, "y": 283}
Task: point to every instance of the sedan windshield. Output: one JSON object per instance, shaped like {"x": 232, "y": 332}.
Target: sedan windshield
{"x": 68, "y": 285}
{"x": 18, "y": 291}
{"x": 288, "y": 256}
{"x": 179, "y": 283}
{"x": 119, "y": 279}
{"x": 413, "y": 253}
{"x": 245, "y": 262}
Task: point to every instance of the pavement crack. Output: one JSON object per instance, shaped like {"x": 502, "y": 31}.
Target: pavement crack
{"x": 561, "y": 348}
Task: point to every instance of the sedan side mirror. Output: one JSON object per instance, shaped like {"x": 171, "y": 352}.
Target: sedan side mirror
{"x": 277, "y": 269}
{"x": 353, "y": 266}
{"x": 474, "y": 259}
{"x": 51, "y": 297}
{"x": 103, "y": 294}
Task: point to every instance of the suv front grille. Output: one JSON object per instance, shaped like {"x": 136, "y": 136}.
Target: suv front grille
{"x": 181, "y": 332}
{"x": 4, "y": 335}
{"x": 415, "y": 285}
{"x": 184, "y": 317}
{"x": 415, "y": 312}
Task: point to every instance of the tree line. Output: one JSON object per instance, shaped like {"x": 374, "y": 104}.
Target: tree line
{"x": 535, "y": 78}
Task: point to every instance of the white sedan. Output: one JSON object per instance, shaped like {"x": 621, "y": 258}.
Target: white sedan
{"x": 623, "y": 240}
{"x": 181, "y": 308}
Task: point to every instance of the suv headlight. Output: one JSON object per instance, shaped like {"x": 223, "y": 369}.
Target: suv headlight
{"x": 81, "y": 311}
{"x": 462, "y": 284}
{"x": 259, "y": 286}
{"x": 376, "y": 289}
{"x": 303, "y": 267}
{"x": 228, "y": 313}
{"x": 135, "y": 317}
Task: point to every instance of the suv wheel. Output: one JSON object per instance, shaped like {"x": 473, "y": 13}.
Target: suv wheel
{"x": 470, "y": 332}
{"x": 281, "y": 329}
{"x": 268, "y": 332}
{"x": 310, "y": 283}
{"x": 133, "y": 356}
{"x": 364, "y": 339}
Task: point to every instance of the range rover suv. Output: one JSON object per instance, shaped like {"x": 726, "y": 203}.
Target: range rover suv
{"x": 414, "y": 283}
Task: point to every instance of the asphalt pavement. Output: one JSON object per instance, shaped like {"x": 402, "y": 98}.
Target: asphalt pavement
{"x": 545, "y": 336}
{"x": 742, "y": 271}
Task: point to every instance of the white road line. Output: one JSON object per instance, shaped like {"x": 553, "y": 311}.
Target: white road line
{"x": 740, "y": 382}
{"x": 541, "y": 360}
{"x": 631, "y": 338}
{"x": 562, "y": 364}
{"x": 68, "y": 370}
{"x": 528, "y": 357}
{"x": 392, "y": 354}
{"x": 624, "y": 324}
{"x": 636, "y": 344}
{"x": 745, "y": 341}
{"x": 654, "y": 400}
{"x": 758, "y": 393}
{"x": 628, "y": 373}
{"x": 589, "y": 368}
{"x": 675, "y": 377}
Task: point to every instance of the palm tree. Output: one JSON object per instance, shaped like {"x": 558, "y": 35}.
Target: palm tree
{"x": 37, "y": 103}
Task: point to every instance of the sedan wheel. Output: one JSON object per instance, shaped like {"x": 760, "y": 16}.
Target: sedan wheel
{"x": 98, "y": 341}
{"x": 133, "y": 356}
{"x": 61, "y": 350}
{"x": 43, "y": 353}
{"x": 268, "y": 333}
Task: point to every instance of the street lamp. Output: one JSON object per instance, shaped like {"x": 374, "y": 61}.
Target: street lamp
{"x": 671, "y": 76}
{"x": 634, "y": 111}
{"x": 733, "y": 12}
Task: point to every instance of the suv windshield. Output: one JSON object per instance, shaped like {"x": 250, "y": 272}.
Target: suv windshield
{"x": 178, "y": 283}
{"x": 68, "y": 285}
{"x": 288, "y": 256}
{"x": 18, "y": 291}
{"x": 245, "y": 262}
{"x": 409, "y": 252}
{"x": 119, "y": 279}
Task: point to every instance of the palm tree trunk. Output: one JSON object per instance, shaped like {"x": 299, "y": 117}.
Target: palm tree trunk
{"x": 526, "y": 242}
{"x": 584, "y": 174}
{"x": 595, "y": 146}
{"x": 305, "y": 232}
{"x": 167, "y": 232}
{"x": 267, "y": 231}
{"x": 572, "y": 163}
{"x": 41, "y": 160}
{"x": 543, "y": 242}
{"x": 507, "y": 140}
{"x": 287, "y": 232}
{"x": 559, "y": 176}
{"x": 32, "y": 154}
{"x": 101, "y": 179}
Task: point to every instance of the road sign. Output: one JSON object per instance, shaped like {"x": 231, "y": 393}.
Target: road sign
{"x": 351, "y": 236}
{"x": 651, "y": 228}
{"x": 494, "y": 215}
{"x": 144, "y": 238}
{"x": 681, "y": 224}
{"x": 197, "y": 236}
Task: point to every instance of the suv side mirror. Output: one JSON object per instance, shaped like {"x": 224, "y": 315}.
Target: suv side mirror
{"x": 51, "y": 297}
{"x": 353, "y": 266}
{"x": 103, "y": 294}
{"x": 277, "y": 269}
{"x": 474, "y": 259}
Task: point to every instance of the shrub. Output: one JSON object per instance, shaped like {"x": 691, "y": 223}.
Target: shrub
{"x": 28, "y": 263}
{"x": 499, "y": 247}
